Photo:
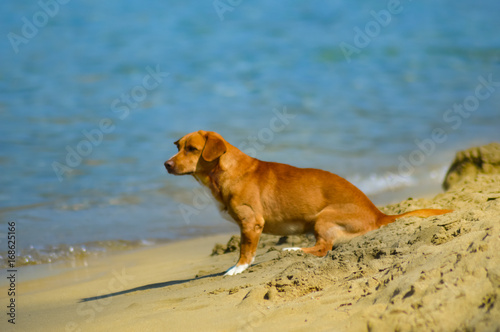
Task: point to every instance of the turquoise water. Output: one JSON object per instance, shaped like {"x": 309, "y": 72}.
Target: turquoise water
{"x": 92, "y": 95}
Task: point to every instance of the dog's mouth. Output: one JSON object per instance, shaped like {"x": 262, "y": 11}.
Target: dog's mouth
{"x": 174, "y": 172}
{"x": 171, "y": 168}
{"x": 179, "y": 174}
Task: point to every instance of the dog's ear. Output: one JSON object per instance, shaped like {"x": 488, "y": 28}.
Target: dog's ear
{"x": 214, "y": 147}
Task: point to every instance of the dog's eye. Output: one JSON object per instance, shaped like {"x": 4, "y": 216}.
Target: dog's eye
{"x": 191, "y": 149}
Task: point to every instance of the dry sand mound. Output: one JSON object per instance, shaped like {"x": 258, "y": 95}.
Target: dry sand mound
{"x": 440, "y": 273}
{"x": 471, "y": 162}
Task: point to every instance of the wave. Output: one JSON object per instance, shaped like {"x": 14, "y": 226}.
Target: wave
{"x": 380, "y": 183}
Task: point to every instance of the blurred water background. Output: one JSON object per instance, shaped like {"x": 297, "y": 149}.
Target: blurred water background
{"x": 93, "y": 93}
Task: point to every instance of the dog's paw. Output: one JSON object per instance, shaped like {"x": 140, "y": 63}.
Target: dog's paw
{"x": 292, "y": 249}
{"x": 237, "y": 269}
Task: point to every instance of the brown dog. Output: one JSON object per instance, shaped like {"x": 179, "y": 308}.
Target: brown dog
{"x": 277, "y": 198}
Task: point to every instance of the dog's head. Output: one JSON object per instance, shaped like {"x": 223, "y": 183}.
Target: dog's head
{"x": 197, "y": 151}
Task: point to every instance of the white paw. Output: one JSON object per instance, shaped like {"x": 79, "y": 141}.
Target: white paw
{"x": 236, "y": 269}
{"x": 292, "y": 249}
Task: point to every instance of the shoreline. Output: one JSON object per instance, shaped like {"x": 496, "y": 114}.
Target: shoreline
{"x": 412, "y": 274}
{"x": 75, "y": 253}
{"x": 33, "y": 272}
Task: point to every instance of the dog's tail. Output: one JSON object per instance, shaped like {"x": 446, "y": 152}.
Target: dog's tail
{"x": 423, "y": 213}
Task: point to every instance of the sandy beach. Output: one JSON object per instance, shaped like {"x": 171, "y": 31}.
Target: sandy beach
{"x": 440, "y": 273}
{"x": 100, "y": 232}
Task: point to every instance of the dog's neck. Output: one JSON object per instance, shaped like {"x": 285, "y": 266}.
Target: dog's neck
{"x": 224, "y": 172}
{"x": 211, "y": 180}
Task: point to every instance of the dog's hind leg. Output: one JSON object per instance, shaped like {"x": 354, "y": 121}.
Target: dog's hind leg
{"x": 326, "y": 231}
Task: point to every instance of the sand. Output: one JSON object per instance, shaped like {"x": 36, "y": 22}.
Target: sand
{"x": 435, "y": 274}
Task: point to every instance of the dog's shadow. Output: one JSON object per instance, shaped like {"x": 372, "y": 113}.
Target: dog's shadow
{"x": 148, "y": 287}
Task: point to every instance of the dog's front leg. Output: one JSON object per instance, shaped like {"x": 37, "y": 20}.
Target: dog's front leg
{"x": 251, "y": 229}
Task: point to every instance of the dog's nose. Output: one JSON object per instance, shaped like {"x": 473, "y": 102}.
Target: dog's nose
{"x": 169, "y": 165}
